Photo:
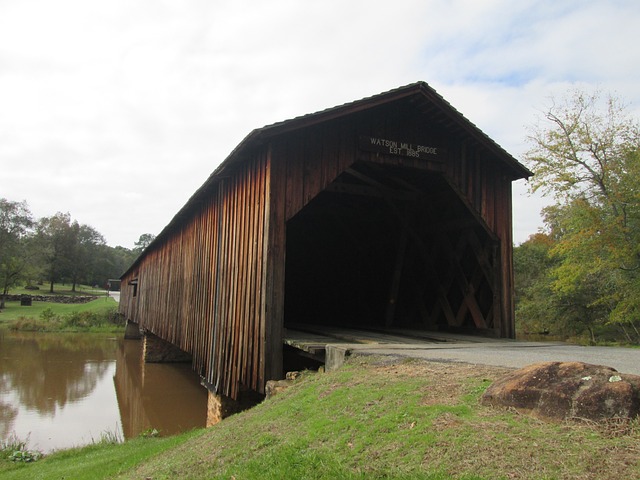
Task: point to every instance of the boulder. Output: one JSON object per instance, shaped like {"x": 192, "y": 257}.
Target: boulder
{"x": 274, "y": 387}
{"x": 559, "y": 390}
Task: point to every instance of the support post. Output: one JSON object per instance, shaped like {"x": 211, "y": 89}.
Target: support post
{"x": 397, "y": 273}
{"x": 132, "y": 331}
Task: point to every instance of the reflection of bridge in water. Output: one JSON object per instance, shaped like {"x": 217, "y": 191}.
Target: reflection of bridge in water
{"x": 139, "y": 385}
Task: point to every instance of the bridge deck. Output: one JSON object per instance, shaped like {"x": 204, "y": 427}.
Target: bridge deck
{"x": 312, "y": 340}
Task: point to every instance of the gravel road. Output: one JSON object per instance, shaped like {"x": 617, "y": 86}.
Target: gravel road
{"x": 512, "y": 354}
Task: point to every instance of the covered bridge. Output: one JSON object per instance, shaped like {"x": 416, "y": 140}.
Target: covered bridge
{"x": 389, "y": 212}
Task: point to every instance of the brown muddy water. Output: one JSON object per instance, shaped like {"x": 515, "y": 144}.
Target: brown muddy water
{"x": 65, "y": 390}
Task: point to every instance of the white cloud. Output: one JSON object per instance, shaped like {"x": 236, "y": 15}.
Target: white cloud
{"x": 117, "y": 111}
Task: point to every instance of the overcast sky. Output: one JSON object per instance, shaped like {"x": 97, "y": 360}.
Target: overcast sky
{"x": 117, "y": 111}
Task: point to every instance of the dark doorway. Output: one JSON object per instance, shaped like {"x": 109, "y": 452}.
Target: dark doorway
{"x": 385, "y": 247}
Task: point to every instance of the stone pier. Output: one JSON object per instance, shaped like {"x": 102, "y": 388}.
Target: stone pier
{"x": 220, "y": 407}
{"x": 157, "y": 350}
{"x": 132, "y": 331}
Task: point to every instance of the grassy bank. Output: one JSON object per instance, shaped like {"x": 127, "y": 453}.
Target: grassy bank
{"x": 374, "y": 418}
{"x": 100, "y": 460}
{"x": 98, "y": 315}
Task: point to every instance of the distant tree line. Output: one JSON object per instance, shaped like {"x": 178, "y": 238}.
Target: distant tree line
{"x": 580, "y": 275}
{"x": 56, "y": 249}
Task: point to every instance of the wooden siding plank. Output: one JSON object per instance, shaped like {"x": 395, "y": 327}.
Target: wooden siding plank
{"x": 274, "y": 270}
{"x": 261, "y": 248}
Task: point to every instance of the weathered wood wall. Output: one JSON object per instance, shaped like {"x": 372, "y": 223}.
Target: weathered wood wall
{"x": 204, "y": 288}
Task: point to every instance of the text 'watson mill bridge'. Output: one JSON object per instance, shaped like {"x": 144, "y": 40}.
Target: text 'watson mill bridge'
{"x": 391, "y": 213}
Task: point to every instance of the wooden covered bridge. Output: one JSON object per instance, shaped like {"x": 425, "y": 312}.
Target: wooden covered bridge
{"x": 389, "y": 212}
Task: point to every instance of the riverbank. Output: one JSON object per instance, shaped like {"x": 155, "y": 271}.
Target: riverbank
{"x": 377, "y": 417}
{"x": 97, "y": 315}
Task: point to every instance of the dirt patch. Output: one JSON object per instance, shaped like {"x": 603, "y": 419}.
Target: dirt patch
{"x": 414, "y": 367}
{"x": 445, "y": 382}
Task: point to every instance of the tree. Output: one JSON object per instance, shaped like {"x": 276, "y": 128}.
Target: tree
{"x": 86, "y": 252}
{"x": 542, "y": 308}
{"x": 111, "y": 263}
{"x": 60, "y": 249}
{"x": 143, "y": 242}
{"x": 71, "y": 250}
{"x": 121, "y": 258}
{"x": 534, "y": 299}
{"x": 586, "y": 155}
{"x": 15, "y": 226}
{"x": 57, "y": 239}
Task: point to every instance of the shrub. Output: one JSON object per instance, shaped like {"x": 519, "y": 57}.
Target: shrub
{"x": 115, "y": 317}
{"x": 48, "y": 315}
{"x": 49, "y": 320}
{"x": 16, "y": 450}
{"x": 27, "y": 324}
{"x": 92, "y": 319}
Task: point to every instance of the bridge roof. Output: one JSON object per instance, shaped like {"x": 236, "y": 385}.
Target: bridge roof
{"x": 420, "y": 94}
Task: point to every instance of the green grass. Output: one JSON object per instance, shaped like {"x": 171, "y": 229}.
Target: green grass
{"x": 13, "y": 311}
{"x": 374, "y": 418}
{"x": 101, "y": 460}
{"x": 95, "y": 316}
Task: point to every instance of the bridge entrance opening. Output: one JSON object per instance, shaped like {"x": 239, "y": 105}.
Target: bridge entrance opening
{"x": 391, "y": 248}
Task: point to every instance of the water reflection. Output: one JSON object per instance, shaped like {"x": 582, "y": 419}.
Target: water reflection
{"x": 41, "y": 374}
{"x": 62, "y": 390}
{"x": 166, "y": 397}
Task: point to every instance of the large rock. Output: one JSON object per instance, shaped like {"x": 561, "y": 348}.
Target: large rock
{"x": 561, "y": 390}
{"x": 274, "y": 387}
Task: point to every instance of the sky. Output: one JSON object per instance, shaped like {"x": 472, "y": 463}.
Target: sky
{"x": 117, "y": 111}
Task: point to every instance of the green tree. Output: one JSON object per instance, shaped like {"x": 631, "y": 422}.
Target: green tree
{"x": 57, "y": 241}
{"x": 110, "y": 263}
{"x": 534, "y": 298}
{"x": 87, "y": 243}
{"x": 586, "y": 156}
{"x": 143, "y": 242}
{"x": 15, "y": 227}
{"x": 71, "y": 251}
{"x": 121, "y": 259}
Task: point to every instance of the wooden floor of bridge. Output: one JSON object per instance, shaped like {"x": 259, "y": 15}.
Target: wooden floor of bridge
{"x": 313, "y": 339}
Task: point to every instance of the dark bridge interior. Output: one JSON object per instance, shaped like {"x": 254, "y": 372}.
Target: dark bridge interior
{"x": 385, "y": 247}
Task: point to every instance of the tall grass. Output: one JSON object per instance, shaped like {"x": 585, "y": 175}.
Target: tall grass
{"x": 109, "y": 437}
{"x": 50, "y": 321}
{"x": 16, "y": 450}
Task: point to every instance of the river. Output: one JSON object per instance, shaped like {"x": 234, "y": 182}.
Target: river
{"x": 66, "y": 390}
